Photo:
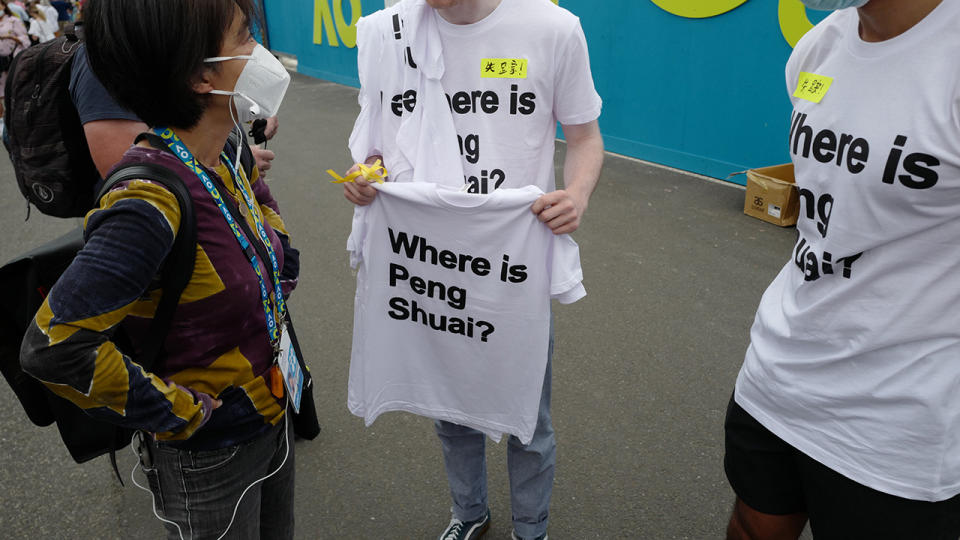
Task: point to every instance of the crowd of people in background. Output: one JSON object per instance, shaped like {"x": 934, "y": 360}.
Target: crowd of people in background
{"x": 23, "y": 24}
{"x": 40, "y": 20}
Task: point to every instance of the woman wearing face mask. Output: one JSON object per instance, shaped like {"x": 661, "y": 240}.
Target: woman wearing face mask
{"x": 846, "y": 411}
{"x": 213, "y": 412}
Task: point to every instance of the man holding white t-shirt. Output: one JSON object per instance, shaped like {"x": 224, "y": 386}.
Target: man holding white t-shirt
{"x": 473, "y": 90}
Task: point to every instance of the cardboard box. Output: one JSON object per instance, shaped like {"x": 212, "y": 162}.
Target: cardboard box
{"x": 772, "y": 195}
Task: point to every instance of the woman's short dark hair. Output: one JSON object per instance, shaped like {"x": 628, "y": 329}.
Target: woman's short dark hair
{"x": 149, "y": 53}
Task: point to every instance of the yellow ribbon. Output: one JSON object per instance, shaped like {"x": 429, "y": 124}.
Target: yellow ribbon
{"x": 370, "y": 173}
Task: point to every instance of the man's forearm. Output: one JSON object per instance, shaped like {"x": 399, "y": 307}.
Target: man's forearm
{"x": 584, "y": 159}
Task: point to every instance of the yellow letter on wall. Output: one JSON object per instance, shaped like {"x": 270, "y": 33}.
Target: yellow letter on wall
{"x": 348, "y": 32}
{"x": 698, "y": 9}
{"x": 323, "y": 21}
{"x": 793, "y": 20}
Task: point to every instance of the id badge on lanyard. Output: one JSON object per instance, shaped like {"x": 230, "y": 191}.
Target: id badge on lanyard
{"x": 290, "y": 369}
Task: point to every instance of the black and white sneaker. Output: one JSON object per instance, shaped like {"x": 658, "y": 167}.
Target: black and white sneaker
{"x": 513, "y": 536}
{"x": 466, "y": 530}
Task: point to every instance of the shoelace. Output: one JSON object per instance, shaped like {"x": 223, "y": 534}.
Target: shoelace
{"x": 453, "y": 530}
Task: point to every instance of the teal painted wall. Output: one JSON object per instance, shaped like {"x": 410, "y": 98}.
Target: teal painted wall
{"x": 290, "y": 24}
{"x": 704, "y": 95}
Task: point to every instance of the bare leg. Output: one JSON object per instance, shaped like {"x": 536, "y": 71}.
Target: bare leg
{"x": 749, "y": 524}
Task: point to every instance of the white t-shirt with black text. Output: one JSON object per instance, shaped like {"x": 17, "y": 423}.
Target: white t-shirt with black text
{"x": 855, "y": 351}
{"x": 508, "y": 79}
{"x": 452, "y": 310}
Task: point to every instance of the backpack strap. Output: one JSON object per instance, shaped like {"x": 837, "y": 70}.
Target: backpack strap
{"x": 178, "y": 267}
{"x": 154, "y": 140}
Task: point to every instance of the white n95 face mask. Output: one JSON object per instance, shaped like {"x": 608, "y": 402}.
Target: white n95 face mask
{"x": 830, "y": 5}
{"x": 260, "y": 87}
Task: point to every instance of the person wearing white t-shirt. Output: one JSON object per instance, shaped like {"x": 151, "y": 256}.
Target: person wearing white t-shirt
{"x": 40, "y": 28}
{"x": 482, "y": 317}
{"x": 474, "y": 89}
{"x": 51, "y": 14}
{"x": 846, "y": 412}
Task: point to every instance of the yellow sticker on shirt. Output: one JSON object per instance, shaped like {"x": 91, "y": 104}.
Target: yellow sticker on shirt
{"x": 812, "y": 87}
{"x": 503, "y": 68}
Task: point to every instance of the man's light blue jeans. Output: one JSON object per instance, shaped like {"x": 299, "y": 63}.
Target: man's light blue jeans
{"x": 531, "y": 468}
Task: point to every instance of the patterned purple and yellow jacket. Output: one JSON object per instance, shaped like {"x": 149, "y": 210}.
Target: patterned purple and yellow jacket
{"x": 217, "y": 345}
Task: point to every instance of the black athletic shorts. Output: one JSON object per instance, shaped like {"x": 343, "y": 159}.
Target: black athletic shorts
{"x": 772, "y": 477}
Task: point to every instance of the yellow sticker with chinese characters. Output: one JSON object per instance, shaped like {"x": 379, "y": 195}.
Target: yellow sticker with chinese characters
{"x": 812, "y": 87}
{"x": 503, "y": 68}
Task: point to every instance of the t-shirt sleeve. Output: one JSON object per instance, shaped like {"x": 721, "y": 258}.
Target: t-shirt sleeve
{"x": 358, "y": 233}
{"x": 365, "y": 140}
{"x": 91, "y": 99}
{"x": 809, "y": 46}
{"x": 792, "y": 72}
{"x": 575, "y": 100}
{"x": 566, "y": 276}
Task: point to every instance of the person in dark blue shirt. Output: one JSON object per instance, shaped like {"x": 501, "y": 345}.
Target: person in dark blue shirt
{"x": 110, "y": 129}
{"x": 64, "y": 10}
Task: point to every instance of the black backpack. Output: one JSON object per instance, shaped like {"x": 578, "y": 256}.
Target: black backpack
{"x": 27, "y": 280}
{"x": 44, "y": 136}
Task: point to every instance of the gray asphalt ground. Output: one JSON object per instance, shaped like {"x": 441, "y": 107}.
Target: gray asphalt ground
{"x": 643, "y": 367}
